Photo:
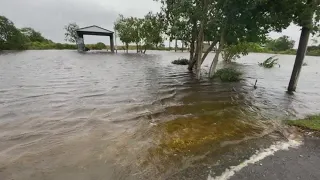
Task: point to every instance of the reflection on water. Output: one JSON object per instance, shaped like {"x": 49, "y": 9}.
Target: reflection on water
{"x": 66, "y": 115}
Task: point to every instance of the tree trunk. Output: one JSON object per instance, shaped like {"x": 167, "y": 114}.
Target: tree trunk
{"x": 182, "y": 47}
{"x": 169, "y": 45}
{"x": 191, "y": 51}
{"x": 176, "y": 46}
{"x": 303, "y": 45}
{"x": 145, "y": 49}
{"x": 127, "y": 47}
{"x": 199, "y": 50}
{"x": 200, "y": 40}
{"x": 137, "y": 46}
{"x": 214, "y": 43}
{"x": 192, "y": 60}
{"x": 216, "y": 57}
{"x": 301, "y": 52}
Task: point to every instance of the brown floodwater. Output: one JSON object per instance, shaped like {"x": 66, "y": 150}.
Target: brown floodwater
{"x": 66, "y": 115}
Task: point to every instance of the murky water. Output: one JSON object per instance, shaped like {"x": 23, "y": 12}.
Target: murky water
{"x": 65, "y": 115}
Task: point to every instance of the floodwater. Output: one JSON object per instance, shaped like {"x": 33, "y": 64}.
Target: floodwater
{"x": 66, "y": 115}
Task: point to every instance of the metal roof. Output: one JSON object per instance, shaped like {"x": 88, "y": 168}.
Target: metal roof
{"x": 94, "y": 28}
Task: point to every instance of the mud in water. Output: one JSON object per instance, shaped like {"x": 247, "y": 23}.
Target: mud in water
{"x": 66, "y": 115}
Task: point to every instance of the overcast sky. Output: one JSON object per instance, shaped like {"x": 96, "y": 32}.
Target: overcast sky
{"x": 50, "y": 16}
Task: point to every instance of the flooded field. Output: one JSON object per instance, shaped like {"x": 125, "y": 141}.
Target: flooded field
{"x": 66, "y": 115}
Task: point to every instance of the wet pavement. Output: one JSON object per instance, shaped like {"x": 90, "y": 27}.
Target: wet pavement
{"x": 302, "y": 163}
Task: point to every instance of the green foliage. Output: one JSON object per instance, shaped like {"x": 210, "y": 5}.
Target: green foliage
{"x": 34, "y": 36}
{"x": 10, "y": 37}
{"x": 145, "y": 31}
{"x": 71, "y": 32}
{"x": 232, "y": 52}
{"x": 270, "y": 62}
{"x": 306, "y": 13}
{"x": 180, "y": 18}
{"x": 124, "y": 28}
{"x": 313, "y": 53}
{"x": 181, "y": 61}
{"x": 101, "y": 46}
{"x": 281, "y": 44}
{"x": 152, "y": 29}
{"x": 50, "y": 45}
{"x": 313, "y": 50}
{"x": 228, "y": 75}
{"x": 311, "y": 122}
{"x": 98, "y": 46}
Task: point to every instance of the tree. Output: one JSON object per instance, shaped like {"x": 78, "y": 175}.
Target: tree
{"x": 71, "y": 32}
{"x": 10, "y": 37}
{"x": 181, "y": 19}
{"x": 124, "y": 29}
{"x": 33, "y": 35}
{"x": 224, "y": 21}
{"x": 146, "y": 32}
{"x": 100, "y": 46}
{"x": 281, "y": 44}
{"x": 151, "y": 30}
{"x": 307, "y": 15}
{"x": 246, "y": 21}
{"x": 232, "y": 52}
{"x": 136, "y": 31}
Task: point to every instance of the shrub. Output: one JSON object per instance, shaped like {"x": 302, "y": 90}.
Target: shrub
{"x": 180, "y": 62}
{"x": 314, "y": 52}
{"x": 270, "y": 62}
{"x": 228, "y": 75}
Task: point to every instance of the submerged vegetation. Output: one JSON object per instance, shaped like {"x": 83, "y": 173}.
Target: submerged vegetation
{"x": 270, "y": 62}
{"x": 228, "y": 75}
{"x": 310, "y": 122}
{"x": 181, "y": 61}
{"x": 187, "y": 134}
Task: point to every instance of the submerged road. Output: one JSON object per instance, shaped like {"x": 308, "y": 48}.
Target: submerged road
{"x": 300, "y": 163}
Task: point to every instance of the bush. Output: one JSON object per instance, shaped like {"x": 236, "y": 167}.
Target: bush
{"x": 314, "y": 53}
{"x": 180, "y": 62}
{"x": 270, "y": 62}
{"x": 228, "y": 75}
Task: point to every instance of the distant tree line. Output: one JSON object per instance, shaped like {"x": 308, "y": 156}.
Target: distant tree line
{"x": 283, "y": 45}
{"x": 13, "y": 38}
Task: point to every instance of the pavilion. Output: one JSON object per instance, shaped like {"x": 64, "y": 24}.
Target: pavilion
{"x": 96, "y": 31}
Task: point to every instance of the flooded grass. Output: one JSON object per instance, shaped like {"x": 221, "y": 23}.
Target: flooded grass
{"x": 185, "y": 135}
{"x": 311, "y": 122}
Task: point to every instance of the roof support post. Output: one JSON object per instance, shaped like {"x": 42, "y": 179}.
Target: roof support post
{"x": 80, "y": 43}
{"x": 111, "y": 43}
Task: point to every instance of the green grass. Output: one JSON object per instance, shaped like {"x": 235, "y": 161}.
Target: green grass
{"x": 311, "y": 122}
